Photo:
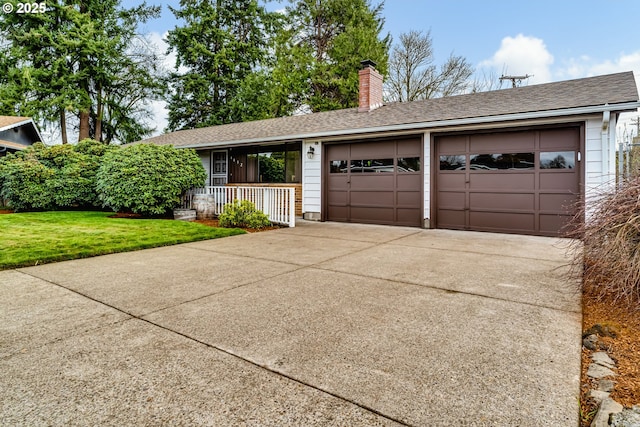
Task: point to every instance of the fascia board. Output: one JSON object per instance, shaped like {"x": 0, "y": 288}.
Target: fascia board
{"x": 16, "y": 124}
{"x": 12, "y": 145}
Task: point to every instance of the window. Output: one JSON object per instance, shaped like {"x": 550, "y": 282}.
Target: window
{"x": 338, "y": 166}
{"x": 558, "y": 160}
{"x": 408, "y": 164}
{"x": 219, "y": 162}
{"x": 453, "y": 162}
{"x": 271, "y": 163}
{"x": 502, "y": 161}
{"x": 372, "y": 166}
{"x": 293, "y": 166}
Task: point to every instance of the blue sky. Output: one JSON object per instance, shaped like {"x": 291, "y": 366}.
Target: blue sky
{"x": 553, "y": 40}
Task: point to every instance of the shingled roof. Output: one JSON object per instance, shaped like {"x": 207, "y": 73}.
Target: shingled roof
{"x": 9, "y": 121}
{"x": 552, "y": 98}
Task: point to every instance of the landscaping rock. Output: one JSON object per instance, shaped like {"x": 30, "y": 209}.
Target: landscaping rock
{"x": 598, "y": 395}
{"x": 603, "y": 331}
{"x": 605, "y": 384}
{"x": 607, "y": 407}
{"x": 627, "y": 418}
{"x": 590, "y": 341}
{"x": 603, "y": 359}
{"x": 598, "y": 371}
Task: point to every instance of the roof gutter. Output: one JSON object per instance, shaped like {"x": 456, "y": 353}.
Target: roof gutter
{"x": 627, "y": 106}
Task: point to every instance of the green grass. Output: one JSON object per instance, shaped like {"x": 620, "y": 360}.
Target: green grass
{"x": 36, "y": 238}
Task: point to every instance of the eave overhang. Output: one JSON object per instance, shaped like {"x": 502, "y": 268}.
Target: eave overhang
{"x": 424, "y": 126}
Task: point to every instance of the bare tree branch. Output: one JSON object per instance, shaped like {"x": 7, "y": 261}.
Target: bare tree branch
{"x": 414, "y": 76}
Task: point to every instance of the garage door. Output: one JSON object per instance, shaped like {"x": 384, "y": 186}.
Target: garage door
{"x": 374, "y": 182}
{"x": 523, "y": 182}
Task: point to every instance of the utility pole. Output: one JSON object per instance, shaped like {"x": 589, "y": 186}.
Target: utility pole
{"x": 637, "y": 123}
{"x": 515, "y": 80}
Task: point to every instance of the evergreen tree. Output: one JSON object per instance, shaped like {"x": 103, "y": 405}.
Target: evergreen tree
{"x": 73, "y": 63}
{"x": 222, "y": 46}
{"x": 328, "y": 41}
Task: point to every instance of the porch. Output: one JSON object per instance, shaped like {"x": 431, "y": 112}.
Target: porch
{"x": 278, "y": 203}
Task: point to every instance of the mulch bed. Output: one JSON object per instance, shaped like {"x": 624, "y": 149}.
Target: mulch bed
{"x": 127, "y": 215}
{"x": 5, "y": 211}
{"x": 624, "y": 349}
{"x": 207, "y": 222}
{"x": 214, "y": 223}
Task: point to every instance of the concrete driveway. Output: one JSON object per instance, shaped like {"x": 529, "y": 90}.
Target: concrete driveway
{"x": 322, "y": 324}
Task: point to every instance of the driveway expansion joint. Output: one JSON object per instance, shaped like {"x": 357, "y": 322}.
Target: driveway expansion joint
{"x": 208, "y": 345}
{"x": 445, "y": 290}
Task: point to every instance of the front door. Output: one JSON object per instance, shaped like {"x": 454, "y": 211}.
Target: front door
{"x": 219, "y": 168}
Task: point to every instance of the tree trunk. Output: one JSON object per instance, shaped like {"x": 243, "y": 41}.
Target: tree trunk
{"x": 99, "y": 108}
{"x": 84, "y": 125}
{"x": 63, "y": 126}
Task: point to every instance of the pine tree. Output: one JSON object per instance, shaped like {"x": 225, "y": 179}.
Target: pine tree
{"x": 331, "y": 37}
{"x": 72, "y": 63}
{"x": 222, "y": 46}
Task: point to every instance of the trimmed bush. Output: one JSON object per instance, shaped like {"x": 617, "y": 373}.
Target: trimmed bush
{"x": 49, "y": 178}
{"x": 23, "y": 182}
{"x": 148, "y": 179}
{"x": 608, "y": 258}
{"x": 243, "y": 214}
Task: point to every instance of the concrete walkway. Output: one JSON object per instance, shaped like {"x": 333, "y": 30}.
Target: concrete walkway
{"x": 323, "y": 324}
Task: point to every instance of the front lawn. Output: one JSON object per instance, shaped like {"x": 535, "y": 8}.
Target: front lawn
{"x": 40, "y": 237}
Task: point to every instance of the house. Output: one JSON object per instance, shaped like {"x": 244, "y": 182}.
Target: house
{"x": 512, "y": 160}
{"x": 17, "y": 133}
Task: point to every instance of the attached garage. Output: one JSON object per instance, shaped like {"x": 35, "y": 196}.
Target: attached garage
{"x": 523, "y": 182}
{"x": 513, "y": 160}
{"x": 376, "y": 182}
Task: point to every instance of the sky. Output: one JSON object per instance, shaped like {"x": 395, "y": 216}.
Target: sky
{"x": 550, "y": 40}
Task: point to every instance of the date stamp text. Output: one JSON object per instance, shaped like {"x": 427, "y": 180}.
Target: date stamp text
{"x": 25, "y": 8}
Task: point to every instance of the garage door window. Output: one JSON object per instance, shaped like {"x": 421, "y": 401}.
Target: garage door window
{"x": 372, "y": 166}
{"x": 408, "y": 164}
{"x": 502, "y": 161}
{"x": 558, "y": 160}
{"x": 452, "y": 163}
{"x": 338, "y": 166}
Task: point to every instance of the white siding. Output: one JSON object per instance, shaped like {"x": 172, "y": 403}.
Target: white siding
{"x": 311, "y": 178}
{"x": 599, "y": 159}
{"x": 426, "y": 171}
{"x": 205, "y": 158}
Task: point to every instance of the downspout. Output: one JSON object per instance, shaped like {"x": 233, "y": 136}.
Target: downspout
{"x": 606, "y": 117}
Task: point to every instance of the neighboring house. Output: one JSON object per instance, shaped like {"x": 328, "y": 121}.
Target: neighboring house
{"x": 17, "y": 133}
{"x": 512, "y": 160}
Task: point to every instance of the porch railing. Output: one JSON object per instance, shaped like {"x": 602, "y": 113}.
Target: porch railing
{"x": 278, "y": 203}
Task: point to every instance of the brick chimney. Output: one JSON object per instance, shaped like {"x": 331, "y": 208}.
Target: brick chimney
{"x": 370, "y": 89}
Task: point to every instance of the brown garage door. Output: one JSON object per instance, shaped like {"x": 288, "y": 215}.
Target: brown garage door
{"x": 522, "y": 182}
{"x": 374, "y": 182}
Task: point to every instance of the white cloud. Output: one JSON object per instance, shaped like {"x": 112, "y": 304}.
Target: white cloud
{"x": 521, "y": 55}
{"x": 158, "y": 42}
{"x": 586, "y": 66}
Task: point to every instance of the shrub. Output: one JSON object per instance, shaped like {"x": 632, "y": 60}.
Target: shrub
{"x": 243, "y": 214}
{"x": 148, "y": 179}
{"x": 46, "y": 178}
{"x": 610, "y": 258}
{"x": 23, "y": 182}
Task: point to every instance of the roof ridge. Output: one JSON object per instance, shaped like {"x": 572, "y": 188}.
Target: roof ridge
{"x": 593, "y": 91}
